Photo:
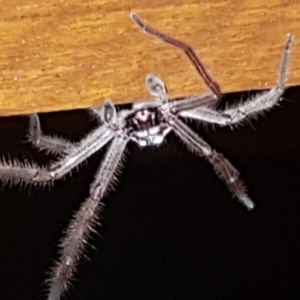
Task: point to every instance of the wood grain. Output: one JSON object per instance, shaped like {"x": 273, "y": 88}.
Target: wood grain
{"x": 69, "y": 54}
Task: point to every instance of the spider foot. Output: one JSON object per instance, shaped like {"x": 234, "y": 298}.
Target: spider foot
{"x": 246, "y": 201}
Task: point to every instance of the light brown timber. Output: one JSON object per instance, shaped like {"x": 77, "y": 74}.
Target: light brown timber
{"x": 69, "y": 54}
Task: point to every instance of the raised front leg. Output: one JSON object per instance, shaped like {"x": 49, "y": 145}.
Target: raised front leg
{"x": 213, "y": 86}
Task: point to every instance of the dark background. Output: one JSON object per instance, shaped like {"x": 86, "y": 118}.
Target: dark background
{"x": 171, "y": 229}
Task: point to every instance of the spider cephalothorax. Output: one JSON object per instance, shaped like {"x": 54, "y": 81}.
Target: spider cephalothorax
{"x": 146, "y": 126}
{"x": 146, "y": 123}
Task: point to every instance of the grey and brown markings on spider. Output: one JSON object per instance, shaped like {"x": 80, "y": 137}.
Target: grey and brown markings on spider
{"x": 147, "y": 124}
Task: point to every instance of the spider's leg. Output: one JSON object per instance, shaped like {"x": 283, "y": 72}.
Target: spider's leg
{"x": 193, "y": 102}
{"x": 158, "y": 90}
{"x": 72, "y": 246}
{"x": 213, "y": 86}
{"x": 265, "y": 100}
{"x": 93, "y": 142}
{"x": 221, "y": 165}
{"x": 55, "y": 145}
{"x": 250, "y": 108}
{"x": 14, "y": 171}
{"x": 183, "y": 107}
{"x": 206, "y": 114}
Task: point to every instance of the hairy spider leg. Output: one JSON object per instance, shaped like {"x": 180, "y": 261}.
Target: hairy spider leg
{"x": 223, "y": 168}
{"x": 72, "y": 246}
{"x": 78, "y": 231}
{"x": 196, "y": 144}
{"x": 14, "y": 171}
{"x": 250, "y": 108}
{"x": 188, "y": 50}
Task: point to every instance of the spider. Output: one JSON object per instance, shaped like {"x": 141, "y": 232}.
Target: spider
{"x": 146, "y": 124}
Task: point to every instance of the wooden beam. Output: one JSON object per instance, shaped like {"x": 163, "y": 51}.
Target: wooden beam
{"x": 58, "y": 55}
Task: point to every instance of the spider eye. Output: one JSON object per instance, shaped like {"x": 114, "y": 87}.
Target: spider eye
{"x": 155, "y": 86}
{"x": 109, "y": 111}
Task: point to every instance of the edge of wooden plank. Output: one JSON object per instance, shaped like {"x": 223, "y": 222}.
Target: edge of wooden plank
{"x": 70, "y": 55}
